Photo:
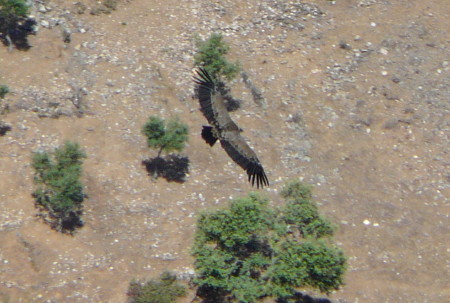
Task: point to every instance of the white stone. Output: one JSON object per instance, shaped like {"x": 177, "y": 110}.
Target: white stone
{"x": 45, "y": 23}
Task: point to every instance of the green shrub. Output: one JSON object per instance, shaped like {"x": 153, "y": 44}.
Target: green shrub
{"x": 251, "y": 251}
{"x": 105, "y": 7}
{"x": 4, "y": 89}
{"x": 311, "y": 263}
{"x": 110, "y": 4}
{"x": 297, "y": 191}
{"x": 301, "y": 212}
{"x": 11, "y": 12}
{"x": 165, "y": 136}
{"x": 59, "y": 194}
{"x": 164, "y": 290}
{"x": 211, "y": 56}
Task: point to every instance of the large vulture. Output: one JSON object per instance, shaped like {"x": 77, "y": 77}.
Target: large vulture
{"x": 224, "y": 129}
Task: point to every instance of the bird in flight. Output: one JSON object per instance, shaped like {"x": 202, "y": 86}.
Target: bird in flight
{"x": 223, "y": 128}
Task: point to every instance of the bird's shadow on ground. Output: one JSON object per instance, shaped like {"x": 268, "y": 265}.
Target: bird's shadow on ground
{"x": 173, "y": 168}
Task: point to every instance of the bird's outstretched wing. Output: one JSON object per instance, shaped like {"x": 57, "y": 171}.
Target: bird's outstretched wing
{"x": 212, "y": 103}
{"x": 207, "y": 94}
{"x": 238, "y": 150}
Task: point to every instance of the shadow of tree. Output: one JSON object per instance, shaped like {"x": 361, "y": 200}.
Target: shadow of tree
{"x": 66, "y": 224}
{"x": 18, "y": 34}
{"x": 173, "y": 168}
{"x": 303, "y": 298}
{"x": 213, "y": 295}
{"x": 232, "y": 104}
{"x": 4, "y": 128}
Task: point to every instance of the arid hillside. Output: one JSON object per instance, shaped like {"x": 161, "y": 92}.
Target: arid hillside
{"x": 355, "y": 102}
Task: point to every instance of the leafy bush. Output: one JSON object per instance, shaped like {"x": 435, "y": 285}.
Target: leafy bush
{"x": 59, "y": 194}
{"x": 211, "y": 56}
{"x": 11, "y": 12}
{"x": 301, "y": 212}
{"x": 297, "y": 191}
{"x": 4, "y": 89}
{"x": 309, "y": 263}
{"x": 164, "y": 290}
{"x": 165, "y": 136}
{"x": 250, "y": 251}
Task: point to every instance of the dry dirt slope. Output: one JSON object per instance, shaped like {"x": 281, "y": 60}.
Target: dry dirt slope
{"x": 357, "y": 103}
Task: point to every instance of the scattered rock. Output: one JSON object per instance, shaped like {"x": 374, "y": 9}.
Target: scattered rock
{"x": 345, "y": 45}
{"x": 395, "y": 79}
{"x": 45, "y": 23}
{"x": 391, "y": 123}
{"x": 66, "y": 35}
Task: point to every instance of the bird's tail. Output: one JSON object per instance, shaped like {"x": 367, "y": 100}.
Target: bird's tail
{"x": 208, "y": 135}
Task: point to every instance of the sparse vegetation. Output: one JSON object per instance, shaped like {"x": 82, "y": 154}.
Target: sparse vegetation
{"x": 4, "y": 89}
{"x": 251, "y": 251}
{"x": 4, "y": 128}
{"x": 80, "y": 8}
{"x": 59, "y": 194}
{"x": 104, "y": 7}
{"x": 165, "y": 136}
{"x": 110, "y": 4}
{"x": 163, "y": 290}
{"x": 211, "y": 55}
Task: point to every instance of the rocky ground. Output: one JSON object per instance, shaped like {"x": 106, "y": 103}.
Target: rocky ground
{"x": 355, "y": 102}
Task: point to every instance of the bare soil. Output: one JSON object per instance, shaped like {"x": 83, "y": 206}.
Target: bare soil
{"x": 356, "y": 102}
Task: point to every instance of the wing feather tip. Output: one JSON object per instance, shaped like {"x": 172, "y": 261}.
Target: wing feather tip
{"x": 256, "y": 173}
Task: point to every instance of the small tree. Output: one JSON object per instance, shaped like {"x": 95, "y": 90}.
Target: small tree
{"x": 250, "y": 251}
{"x": 11, "y": 13}
{"x": 164, "y": 290}
{"x": 165, "y": 136}
{"x": 59, "y": 194}
{"x": 211, "y": 55}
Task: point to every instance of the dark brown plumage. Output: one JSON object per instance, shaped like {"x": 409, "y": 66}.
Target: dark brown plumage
{"x": 224, "y": 129}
